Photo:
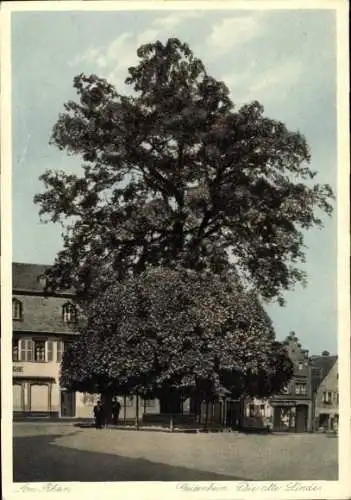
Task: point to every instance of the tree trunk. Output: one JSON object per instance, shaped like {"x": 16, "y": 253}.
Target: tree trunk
{"x": 107, "y": 402}
{"x": 171, "y": 424}
{"x": 241, "y": 411}
{"x": 124, "y": 409}
{"x": 206, "y": 416}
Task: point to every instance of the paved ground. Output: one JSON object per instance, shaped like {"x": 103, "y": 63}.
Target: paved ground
{"x": 62, "y": 452}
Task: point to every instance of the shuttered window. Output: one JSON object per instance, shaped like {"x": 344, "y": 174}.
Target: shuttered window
{"x": 59, "y": 345}
{"x": 26, "y": 350}
{"x": 50, "y": 350}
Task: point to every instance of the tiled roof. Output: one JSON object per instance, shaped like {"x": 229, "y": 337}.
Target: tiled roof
{"x": 42, "y": 314}
{"x": 26, "y": 277}
{"x": 321, "y": 366}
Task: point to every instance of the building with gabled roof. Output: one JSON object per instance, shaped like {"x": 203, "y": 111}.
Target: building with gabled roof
{"x": 293, "y": 406}
{"x": 325, "y": 384}
{"x": 43, "y": 327}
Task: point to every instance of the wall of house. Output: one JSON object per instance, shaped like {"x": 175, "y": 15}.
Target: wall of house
{"x": 327, "y": 400}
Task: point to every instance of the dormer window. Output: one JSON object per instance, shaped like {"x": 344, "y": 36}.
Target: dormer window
{"x": 17, "y": 309}
{"x": 69, "y": 313}
{"x": 42, "y": 281}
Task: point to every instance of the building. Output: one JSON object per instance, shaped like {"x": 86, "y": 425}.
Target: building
{"x": 326, "y": 393}
{"x": 293, "y": 407}
{"x": 43, "y": 327}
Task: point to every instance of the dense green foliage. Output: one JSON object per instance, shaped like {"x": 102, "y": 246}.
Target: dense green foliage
{"x": 176, "y": 330}
{"x": 176, "y": 180}
{"x": 174, "y": 174}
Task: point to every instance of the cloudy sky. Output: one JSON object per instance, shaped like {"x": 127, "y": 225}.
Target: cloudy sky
{"x": 284, "y": 59}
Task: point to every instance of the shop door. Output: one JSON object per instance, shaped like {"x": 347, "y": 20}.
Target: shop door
{"x": 301, "y": 418}
{"x": 68, "y": 404}
{"x": 39, "y": 398}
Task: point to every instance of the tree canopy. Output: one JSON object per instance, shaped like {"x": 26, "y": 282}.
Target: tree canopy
{"x": 176, "y": 331}
{"x": 175, "y": 175}
{"x": 186, "y": 211}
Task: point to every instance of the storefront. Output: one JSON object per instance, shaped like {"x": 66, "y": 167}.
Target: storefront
{"x": 291, "y": 416}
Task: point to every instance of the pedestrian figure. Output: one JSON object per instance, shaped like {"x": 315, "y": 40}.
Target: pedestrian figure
{"x": 116, "y": 408}
{"x": 99, "y": 415}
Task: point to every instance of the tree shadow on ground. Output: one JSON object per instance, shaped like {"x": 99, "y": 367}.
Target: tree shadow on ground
{"x": 38, "y": 459}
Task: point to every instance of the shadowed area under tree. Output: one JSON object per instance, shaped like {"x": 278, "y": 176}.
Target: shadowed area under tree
{"x": 53, "y": 463}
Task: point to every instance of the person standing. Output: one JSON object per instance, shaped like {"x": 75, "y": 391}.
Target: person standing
{"x": 99, "y": 415}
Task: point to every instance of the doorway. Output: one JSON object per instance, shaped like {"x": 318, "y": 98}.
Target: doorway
{"x": 68, "y": 404}
{"x": 301, "y": 418}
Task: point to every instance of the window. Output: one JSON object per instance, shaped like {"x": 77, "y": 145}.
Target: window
{"x": 39, "y": 351}
{"x": 262, "y": 411}
{"x": 300, "y": 365}
{"x": 62, "y": 347}
{"x": 149, "y": 403}
{"x": 327, "y": 397}
{"x": 337, "y": 398}
{"x": 17, "y": 309}
{"x": 300, "y": 388}
{"x": 69, "y": 313}
{"x": 15, "y": 350}
{"x": 252, "y": 410}
{"x": 26, "y": 350}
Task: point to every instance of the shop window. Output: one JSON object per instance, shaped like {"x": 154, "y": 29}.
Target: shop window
{"x": 300, "y": 388}
{"x": 69, "y": 313}
{"x": 17, "y": 309}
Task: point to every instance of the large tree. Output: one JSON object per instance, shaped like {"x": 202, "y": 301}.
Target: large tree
{"x": 176, "y": 333}
{"x": 173, "y": 174}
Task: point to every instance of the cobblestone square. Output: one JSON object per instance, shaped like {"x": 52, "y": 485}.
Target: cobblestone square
{"x": 62, "y": 452}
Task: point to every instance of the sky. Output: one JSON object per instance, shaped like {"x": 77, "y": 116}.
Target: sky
{"x": 284, "y": 59}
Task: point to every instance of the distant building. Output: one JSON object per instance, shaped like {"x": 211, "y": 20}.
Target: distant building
{"x": 326, "y": 392}
{"x": 293, "y": 407}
